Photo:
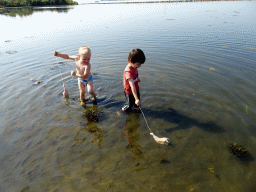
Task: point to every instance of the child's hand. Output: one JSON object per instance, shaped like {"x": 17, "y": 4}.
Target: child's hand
{"x": 138, "y": 79}
{"x": 73, "y": 73}
{"x": 55, "y": 53}
{"x": 137, "y": 102}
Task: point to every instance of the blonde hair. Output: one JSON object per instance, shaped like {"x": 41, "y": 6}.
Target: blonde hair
{"x": 84, "y": 50}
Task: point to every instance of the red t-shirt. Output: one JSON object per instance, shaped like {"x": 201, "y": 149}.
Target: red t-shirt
{"x": 129, "y": 73}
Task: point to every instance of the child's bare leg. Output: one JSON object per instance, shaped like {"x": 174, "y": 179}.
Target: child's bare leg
{"x": 82, "y": 92}
{"x": 90, "y": 89}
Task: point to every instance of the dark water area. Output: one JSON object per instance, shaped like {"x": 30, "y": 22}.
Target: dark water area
{"x": 197, "y": 88}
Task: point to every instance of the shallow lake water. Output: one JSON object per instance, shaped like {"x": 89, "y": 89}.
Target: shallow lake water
{"x": 197, "y": 88}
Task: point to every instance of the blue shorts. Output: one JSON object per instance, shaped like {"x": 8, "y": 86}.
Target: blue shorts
{"x": 85, "y": 81}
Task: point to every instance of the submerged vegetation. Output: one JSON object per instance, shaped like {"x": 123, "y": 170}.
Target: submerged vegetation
{"x": 237, "y": 150}
{"x": 19, "y": 3}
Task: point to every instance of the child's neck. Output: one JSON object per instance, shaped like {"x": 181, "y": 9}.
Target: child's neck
{"x": 84, "y": 64}
{"x": 131, "y": 65}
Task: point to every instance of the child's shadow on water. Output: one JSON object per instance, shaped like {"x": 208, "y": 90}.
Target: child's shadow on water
{"x": 182, "y": 121}
{"x": 172, "y": 116}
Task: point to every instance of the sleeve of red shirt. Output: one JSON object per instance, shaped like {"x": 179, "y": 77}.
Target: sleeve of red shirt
{"x": 128, "y": 75}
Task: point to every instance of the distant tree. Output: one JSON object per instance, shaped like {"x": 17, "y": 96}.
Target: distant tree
{"x": 17, "y": 3}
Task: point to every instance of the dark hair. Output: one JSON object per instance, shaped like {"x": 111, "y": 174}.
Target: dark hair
{"x": 136, "y": 55}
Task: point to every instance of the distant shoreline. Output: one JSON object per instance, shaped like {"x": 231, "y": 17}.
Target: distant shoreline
{"x": 38, "y": 3}
{"x": 120, "y": 2}
{"x": 172, "y": 1}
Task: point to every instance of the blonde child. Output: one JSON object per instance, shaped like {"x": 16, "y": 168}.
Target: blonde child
{"x": 83, "y": 73}
{"x": 131, "y": 80}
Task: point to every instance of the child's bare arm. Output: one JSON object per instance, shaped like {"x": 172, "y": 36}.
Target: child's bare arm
{"x": 87, "y": 72}
{"x": 85, "y": 75}
{"x": 64, "y": 56}
{"x": 134, "y": 92}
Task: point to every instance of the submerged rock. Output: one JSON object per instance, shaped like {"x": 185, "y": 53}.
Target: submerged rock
{"x": 36, "y": 83}
{"x": 11, "y": 52}
{"x": 163, "y": 160}
{"x": 237, "y": 150}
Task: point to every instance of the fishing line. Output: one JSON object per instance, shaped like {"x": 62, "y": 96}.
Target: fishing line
{"x": 163, "y": 140}
{"x": 145, "y": 120}
{"x": 61, "y": 76}
{"x": 61, "y": 73}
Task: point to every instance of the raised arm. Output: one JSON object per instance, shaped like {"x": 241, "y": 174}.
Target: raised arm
{"x": 64, "y": 56}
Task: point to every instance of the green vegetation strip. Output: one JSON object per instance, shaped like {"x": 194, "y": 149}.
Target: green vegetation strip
{"x": 20, "y": 3}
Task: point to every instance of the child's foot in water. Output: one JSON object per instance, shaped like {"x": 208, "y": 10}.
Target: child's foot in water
{"x": 94, "y": 101}
{"x": 83, "y": 103}
{"x": 137, "y": 110}
{"x": 126, "y": 108}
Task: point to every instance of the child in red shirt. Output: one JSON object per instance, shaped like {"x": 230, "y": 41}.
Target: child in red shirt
{"x": 131, "y": 80}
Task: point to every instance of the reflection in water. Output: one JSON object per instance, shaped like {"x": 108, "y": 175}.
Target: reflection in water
{"x": 67, "y": 100}
{"x": 132, "y": 135}
{"x": 25, "y": 11}
{"x": 92, "y": 115}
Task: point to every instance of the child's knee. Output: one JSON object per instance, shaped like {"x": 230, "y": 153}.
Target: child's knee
{"x": 82, "y": 92}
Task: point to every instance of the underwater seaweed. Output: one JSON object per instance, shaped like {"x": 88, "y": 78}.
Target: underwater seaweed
{"x": 237, "y": 150}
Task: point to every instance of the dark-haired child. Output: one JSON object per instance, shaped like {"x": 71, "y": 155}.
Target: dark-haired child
{"x": 131, "y": 80}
